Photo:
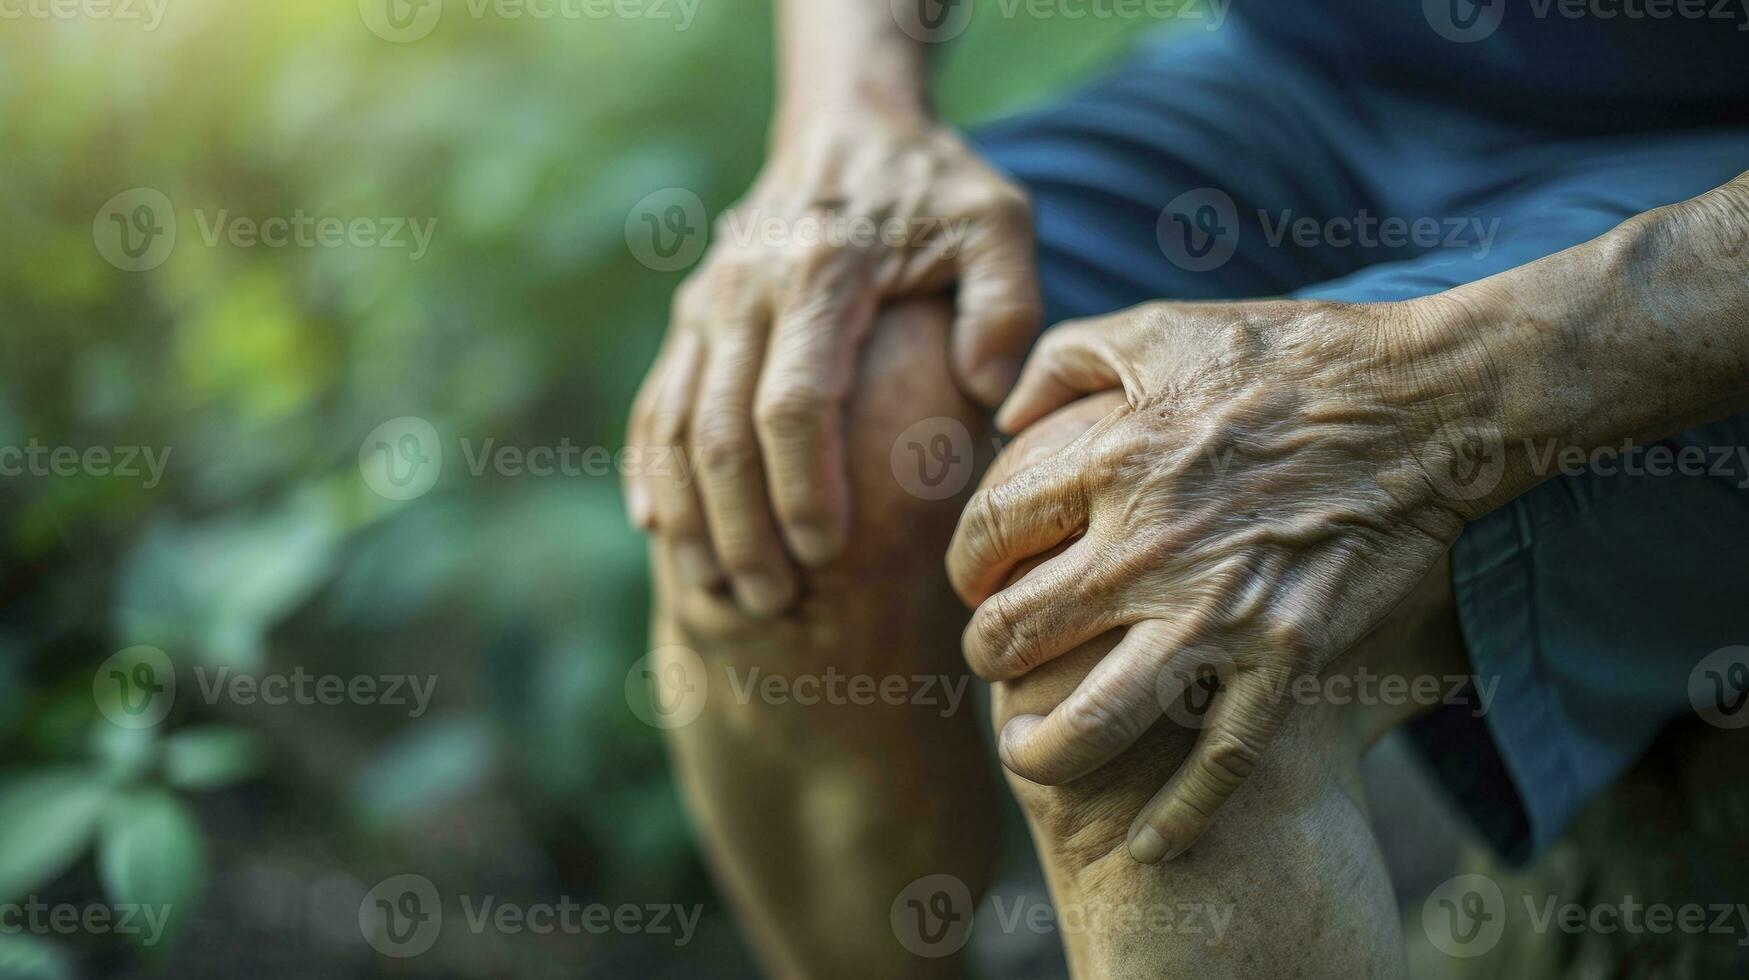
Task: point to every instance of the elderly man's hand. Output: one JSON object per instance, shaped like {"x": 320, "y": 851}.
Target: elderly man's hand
{"x": 1275, "y": 484}
{"x": 854, "y": 209}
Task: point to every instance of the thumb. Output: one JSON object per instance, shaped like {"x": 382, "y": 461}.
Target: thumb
{"x": 1071, "y": 361}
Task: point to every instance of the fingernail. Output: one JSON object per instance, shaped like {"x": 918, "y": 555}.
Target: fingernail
{"x": 1005, "y": 417}
{"x": 761, "y": 594}
{"x": 1147, "y": 846}
{"x": 1012, "y": 733}
{"x": 697, "y": 566}
{"x": 812, "y": 544}
{"x": 992, "y": 380}
{"x": 638, "y": 506}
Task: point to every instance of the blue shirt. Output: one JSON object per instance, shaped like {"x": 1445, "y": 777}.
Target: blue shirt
{"x": 1588, "y": 64}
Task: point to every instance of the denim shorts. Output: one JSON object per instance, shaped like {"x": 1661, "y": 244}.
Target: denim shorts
{"x": 1224, "y": 165}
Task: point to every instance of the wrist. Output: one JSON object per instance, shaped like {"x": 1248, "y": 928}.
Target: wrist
{"x": 862, "y": 108}
{"x": 1526, "y": 366}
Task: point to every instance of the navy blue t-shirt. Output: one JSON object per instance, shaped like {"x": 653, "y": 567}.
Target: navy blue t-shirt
{"x": 1612, "y": 63}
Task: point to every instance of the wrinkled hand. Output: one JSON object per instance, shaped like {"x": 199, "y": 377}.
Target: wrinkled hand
{"x": 1257, "y": 506}
{"x": 752, "y": 380}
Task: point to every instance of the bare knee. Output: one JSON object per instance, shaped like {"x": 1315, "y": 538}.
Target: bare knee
{"x": 915, "y": 445}
{"x": 1085, "y": 823}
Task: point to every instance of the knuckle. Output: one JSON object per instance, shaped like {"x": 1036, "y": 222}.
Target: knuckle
{"x": 1091, "y": 720}
{"x": 725, "y": 452}
{"x": 1013, "y": 204}
{"x": 1231, "y": 760}
{"x": 667, "y": 423}
{"x": 807, "y": 261}
{"x": 692, "y": 297}
{"x": 1010, "y": 646}
{"x": 791, "y": 411}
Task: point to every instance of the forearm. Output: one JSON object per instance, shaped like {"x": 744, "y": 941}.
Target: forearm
{"x": 837, "y": 54}
{"x": 1633, "y": 336}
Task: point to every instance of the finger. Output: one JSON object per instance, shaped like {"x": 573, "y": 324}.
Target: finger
{"x": 1112, "y": 707}
{"x": 673, "y": 498}
{"x": 731, "y": 480}
{"x": 997, "y": 303}
{"x": 1071, "y": 361}
{"x": 1060, "y": 605}
{"x": 799, "y": 410}
{"x": 1241, "y": 722}
{"x": 1031, "y": 512}
{"x": 639, "y": 508}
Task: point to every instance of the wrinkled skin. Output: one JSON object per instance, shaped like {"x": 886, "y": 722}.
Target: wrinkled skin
{"x": 1256, "y": 506}
{"x": 761, "y": 355}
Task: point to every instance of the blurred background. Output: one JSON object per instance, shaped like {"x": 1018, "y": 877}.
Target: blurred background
{"x": 252, "y": 374}
{"x": 247, "y": 251}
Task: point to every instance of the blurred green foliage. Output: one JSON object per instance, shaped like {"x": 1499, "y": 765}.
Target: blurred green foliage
{"x": 261, "y": 369}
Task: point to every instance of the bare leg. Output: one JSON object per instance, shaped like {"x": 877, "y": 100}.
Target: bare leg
{"x": 816, "y": 815}
{"x": 1289, "y": 881}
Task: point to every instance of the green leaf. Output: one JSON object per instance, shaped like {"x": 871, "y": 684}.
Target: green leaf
{"x": 429, "y": 767}
{"x": 30, "y": 958}
{"x": 150, "y": 855}
{"x": 209, "y": 757}
{"x": 46, "y": 822}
